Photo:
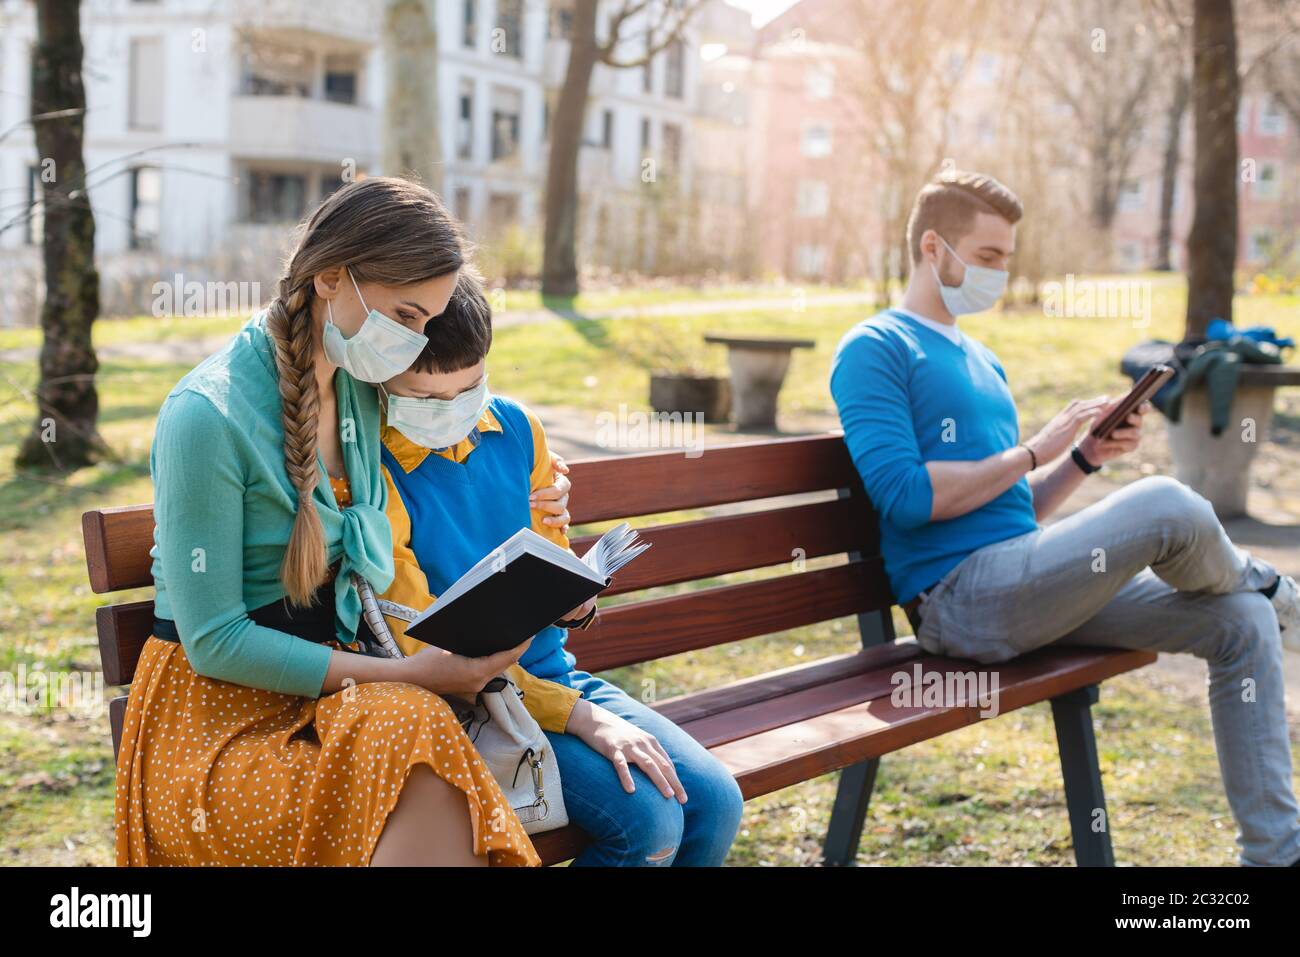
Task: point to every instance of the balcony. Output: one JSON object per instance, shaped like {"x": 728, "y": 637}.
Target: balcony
{"x": 355, "y": 22}
{"x": 293, "y": 128}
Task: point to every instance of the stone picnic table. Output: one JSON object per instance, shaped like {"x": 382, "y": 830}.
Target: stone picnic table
{"x": 1218, "y": 466}
{"x": 758, "y": 366}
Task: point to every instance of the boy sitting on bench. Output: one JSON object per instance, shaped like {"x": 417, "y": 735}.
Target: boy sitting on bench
{"x": 461, "y": 464}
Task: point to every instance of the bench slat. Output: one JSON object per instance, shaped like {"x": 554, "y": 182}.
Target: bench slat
{"x": 783, "y": 681}
{"x": 765, "y": 757}
{"x": 708, "y": 547}
{"x": 626, "y": 486}
{"x": 117, "y": 547}
{"x": 645, "y": 630}
{"x": 780, "y": 757}
{"x": 123, "y": 630}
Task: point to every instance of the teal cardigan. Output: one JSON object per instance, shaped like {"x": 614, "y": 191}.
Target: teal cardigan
{"x": 224, "y": 508}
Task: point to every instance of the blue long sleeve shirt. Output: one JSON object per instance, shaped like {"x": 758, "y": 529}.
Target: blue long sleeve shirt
{"x": 907, "y": 395}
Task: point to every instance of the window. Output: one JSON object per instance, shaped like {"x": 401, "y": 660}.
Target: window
{"x": 645, "y": 135}
{"x": 607, "y": 129}
{"x": 503, "y": 211}
{"x": 1130, "y": 256}
{"x": 1132, "y": 198}
{"x": 507, "y": 38}
{"x": 276, "y": 70}
{"x": 672, "y": 146}
{"x": 469, "y": 33}
{"x": 505, "y": 123}
{"x": 675, "y": 70}
{"x": 146, "y": 208}
{"x": 812, "y": 198}
{"x": 35, "y": 208}
{"x": 276, "y": 197}
{"x": 816, "y": 141}
{"x": 465, "y": 121}
{"x": 1261, "y": 245}
{"x": 146, "y": 73}
{"x": 810, "y": 260}
{"x": 559, "y": 25}
{"x": 1272, "y": 121}
{"x": 819, "y": 82}
{"x": 1266, "y": 182}
{"x": 648, "y": 77}
{"x": 341, "y": 77}
{"x": 461, "y": 203}
{"x": 329, "y": 184}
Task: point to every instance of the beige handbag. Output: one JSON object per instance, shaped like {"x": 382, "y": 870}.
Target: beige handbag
{"x": 517, "y": 752}
{"x": 508, "y": 738}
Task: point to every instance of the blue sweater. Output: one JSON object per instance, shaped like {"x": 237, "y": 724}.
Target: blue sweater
{"x": 907, "y": 395}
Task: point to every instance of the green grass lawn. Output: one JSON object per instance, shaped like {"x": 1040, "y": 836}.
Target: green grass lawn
{"x": 987, "y": 794}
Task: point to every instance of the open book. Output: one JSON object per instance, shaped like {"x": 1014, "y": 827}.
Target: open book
{"x": 523, "y": 585}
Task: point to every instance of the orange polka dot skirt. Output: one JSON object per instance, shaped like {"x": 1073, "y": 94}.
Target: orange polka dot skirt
{"x": 214, "y": 773}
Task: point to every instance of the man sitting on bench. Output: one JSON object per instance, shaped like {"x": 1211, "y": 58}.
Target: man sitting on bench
{"x": 933, "y": 430}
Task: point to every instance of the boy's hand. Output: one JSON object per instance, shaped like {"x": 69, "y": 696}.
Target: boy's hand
{"x": 622, "y": 742}
{"x": 554, "y": 499}
{"x": 582, "y": 611}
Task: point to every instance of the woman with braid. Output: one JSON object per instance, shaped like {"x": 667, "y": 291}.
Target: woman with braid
{"x": 256, "y": 733}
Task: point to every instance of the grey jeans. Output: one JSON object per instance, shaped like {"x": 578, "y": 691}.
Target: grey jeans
{"x": 1148, "y": 567}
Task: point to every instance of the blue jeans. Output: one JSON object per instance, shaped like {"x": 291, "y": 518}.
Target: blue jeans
{"x": 645, "y": 828}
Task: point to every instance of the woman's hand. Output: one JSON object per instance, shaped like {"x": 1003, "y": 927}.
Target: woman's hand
{"x": 554, "y": 499}
{"x": 1056, "y": 437}
{"x": 1123, "y": 440}
{"x": 623, "y": 743}
{"x": 445, "y": 673}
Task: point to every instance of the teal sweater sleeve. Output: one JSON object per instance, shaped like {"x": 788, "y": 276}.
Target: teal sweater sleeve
{"x": 199, "y": 510}
{"x": 869, "y": 382}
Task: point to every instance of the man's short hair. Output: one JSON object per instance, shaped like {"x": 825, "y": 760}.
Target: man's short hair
{"x": 462, "y": 335}
{"x": 949, "y": 204}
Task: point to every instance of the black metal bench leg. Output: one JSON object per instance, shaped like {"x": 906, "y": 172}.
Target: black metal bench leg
{"x": 1089, "y": 824}
{"x": 849, "y": 813}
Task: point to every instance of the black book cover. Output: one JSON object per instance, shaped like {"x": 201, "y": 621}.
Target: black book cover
{"x": 506, "y": 608}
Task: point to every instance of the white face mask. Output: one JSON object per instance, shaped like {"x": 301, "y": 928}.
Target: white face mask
{"x": 381, "y": 348}
{"x": 437, "y": 423}
{"x": 980, "y": 288}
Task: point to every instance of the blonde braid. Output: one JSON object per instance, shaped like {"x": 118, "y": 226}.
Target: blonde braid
{"x": 304, "y": 567}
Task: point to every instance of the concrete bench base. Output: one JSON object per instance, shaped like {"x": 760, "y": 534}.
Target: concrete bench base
{"x": 1218, "y": 466}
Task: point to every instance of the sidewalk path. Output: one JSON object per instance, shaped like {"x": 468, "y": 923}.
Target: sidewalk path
{"x": 194, "y": 350}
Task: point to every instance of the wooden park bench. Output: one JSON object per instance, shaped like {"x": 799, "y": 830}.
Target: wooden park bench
{"x": 777, "y": 729}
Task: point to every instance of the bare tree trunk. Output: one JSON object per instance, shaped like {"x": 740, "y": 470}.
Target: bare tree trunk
{"x": 1216, "y": 95}
{"x": 64, "y": 434}
{"x": 411, "y": 145}
{"x": 1169, "y": 175}
{"x": 560, "y": 253}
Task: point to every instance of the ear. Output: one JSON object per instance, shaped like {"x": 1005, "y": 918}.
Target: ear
{"x": 327, "y": 282}
{"x": 930, "y": 245}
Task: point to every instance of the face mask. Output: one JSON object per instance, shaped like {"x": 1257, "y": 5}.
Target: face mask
{"x": 979, "y": 289}
{"x": 380, "y": 350}
{"x": 438, "y": 423}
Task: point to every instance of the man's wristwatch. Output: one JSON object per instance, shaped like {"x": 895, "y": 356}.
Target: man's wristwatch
{"x": 1086, "y": 467}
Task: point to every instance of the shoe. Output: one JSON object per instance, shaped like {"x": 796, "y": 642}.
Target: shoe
{"x": 1286, "y": 602}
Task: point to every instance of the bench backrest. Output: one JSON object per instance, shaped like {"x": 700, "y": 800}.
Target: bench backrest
{"x": 754, "y": 535}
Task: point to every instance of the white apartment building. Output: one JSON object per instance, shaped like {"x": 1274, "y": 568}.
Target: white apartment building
{"x": 213, "y": 123}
